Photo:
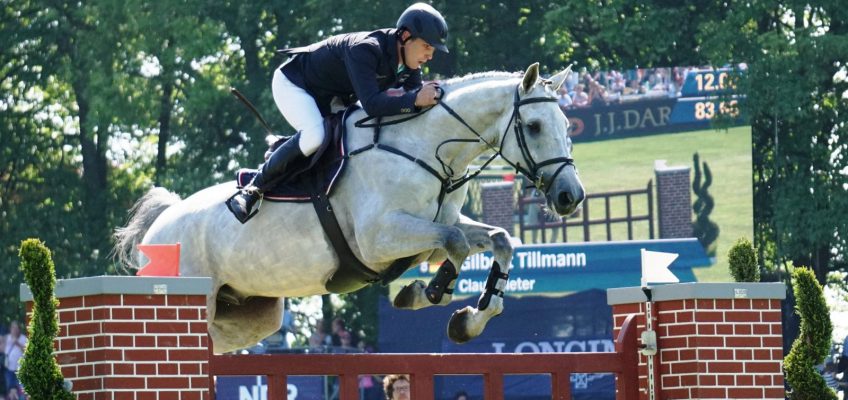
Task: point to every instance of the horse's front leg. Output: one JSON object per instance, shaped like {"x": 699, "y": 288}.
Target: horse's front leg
{"x": 403, "y": 236}
{"x": 468, "y": 323}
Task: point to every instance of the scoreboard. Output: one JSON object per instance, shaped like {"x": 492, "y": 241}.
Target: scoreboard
{"x": 705, "y": 95}
{"x": 701, "y": 97}
{"x": 706, "y": 82}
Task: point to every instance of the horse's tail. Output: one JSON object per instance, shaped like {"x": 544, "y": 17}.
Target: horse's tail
{"x": 142, "y": 215}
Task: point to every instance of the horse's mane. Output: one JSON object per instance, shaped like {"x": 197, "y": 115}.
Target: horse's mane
{"x": 461, "y": 81}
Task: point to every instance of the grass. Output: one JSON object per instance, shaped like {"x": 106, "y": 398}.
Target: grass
{"x": 629, "y": 164}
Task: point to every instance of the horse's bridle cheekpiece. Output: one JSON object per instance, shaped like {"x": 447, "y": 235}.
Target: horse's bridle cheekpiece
{"x": 449, "y": 184}
{"x": 518, "y": 127}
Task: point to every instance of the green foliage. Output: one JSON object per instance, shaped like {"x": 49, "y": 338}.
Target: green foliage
{"x": 813, "y": 343}
{"x": 704, "y": 229}
{"x": 103, "y": 98}
{"x": 742, "y": 258}
{"x": 39, "y": 372}
{"x": 359, "y": 311}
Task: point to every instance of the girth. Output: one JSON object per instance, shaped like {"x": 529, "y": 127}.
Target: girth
{"x": 351, "y": 274}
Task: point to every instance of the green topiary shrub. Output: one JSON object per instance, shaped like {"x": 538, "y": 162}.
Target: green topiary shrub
{"x": 39, "y": 372}
{"x": 742, "y": 258}
{"x": 812, "y": 344}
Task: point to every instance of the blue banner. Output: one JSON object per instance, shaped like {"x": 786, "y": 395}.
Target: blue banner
{"x": 581, "y": 322}
{"x": 570, "y": 267}
{"x": 256, "y": 387}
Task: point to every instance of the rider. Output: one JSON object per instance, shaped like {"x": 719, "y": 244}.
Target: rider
{"x": 348, "y": 67}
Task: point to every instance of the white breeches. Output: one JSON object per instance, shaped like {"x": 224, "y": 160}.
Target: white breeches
{"x": 300, "y": 110}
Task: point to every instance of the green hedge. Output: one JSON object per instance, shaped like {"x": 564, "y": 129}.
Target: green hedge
{"x": 812, "y": 344}
{"x": 39, "y": 372}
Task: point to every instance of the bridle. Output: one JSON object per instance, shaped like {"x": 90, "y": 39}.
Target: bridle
{"x": 530, "y": 169}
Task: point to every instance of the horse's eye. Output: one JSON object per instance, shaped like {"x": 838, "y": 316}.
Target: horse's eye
{"x": 534, "y": 127}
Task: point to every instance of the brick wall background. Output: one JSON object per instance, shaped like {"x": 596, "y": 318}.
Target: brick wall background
{"x": 674, "y": 201}
{"x": 713, "y": 348}
{"x": 498, "y": 204}
{"x": 133, "y": 346}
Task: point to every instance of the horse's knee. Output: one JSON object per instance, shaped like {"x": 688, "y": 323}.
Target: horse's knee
{"x": 501, "y": 245}
{"x": 456, "y": 244}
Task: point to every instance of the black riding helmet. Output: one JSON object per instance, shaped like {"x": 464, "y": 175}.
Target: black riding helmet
{"x": 423, "y": 21}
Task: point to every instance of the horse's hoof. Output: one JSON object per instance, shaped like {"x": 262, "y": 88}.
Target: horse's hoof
{"x": 458, "y": 326}
{"x": 405, "y": 299}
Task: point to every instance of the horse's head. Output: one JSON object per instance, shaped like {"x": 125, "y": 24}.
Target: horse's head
{"x": 536, "y": 141}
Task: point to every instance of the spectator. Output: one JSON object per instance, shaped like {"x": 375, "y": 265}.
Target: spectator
{"x": 336, "y": 329}
{"x": 396, "y": 387}
{"x": 842, "y": 367}
{"x": 319, "y": 337}
{"x": 597, "y": 93}
{"x": 15, "y": 344}
{"x": 571, "y": 82}
{"x": 368, "y": 389}
{"x": 828, "y": 372}
{"x": 580, "y": 98}
{"x": 369, "y": 385}
{"x": 345, "y": 339}
{"x": 618, "y": 85}
{"x": 564, "y": 99}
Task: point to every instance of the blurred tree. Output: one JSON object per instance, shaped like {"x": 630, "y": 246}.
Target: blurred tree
{"x": 792, "y": 55}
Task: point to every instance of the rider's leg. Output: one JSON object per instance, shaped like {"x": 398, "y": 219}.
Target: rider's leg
{"x": 301, "y": 112}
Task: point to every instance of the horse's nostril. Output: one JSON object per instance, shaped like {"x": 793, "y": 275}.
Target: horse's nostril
{"x": 565, "y": 198}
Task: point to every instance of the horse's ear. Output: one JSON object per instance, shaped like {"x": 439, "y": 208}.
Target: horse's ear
{"x": 530, "y": 77}
{"x": 560, "y": 78}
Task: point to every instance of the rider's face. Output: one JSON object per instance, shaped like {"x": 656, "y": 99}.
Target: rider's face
{"x": 417, "y": 53}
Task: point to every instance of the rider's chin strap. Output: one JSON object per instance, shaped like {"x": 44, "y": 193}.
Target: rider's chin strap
{"x": 402, "y": 48}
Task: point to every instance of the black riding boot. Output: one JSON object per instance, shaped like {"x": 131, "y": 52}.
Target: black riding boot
{"x": 241, "y": 204}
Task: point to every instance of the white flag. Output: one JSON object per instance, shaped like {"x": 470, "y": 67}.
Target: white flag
{"x": 655, "y": 267}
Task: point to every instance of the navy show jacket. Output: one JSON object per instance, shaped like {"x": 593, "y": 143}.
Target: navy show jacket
{"x": 355, "y": 66}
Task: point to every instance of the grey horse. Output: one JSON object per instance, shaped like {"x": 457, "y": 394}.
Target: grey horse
{"x": 388, "y": 208}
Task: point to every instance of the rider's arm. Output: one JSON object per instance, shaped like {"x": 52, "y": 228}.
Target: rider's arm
{"x": 413, "y": 82}
{"x": 361, "y": 63}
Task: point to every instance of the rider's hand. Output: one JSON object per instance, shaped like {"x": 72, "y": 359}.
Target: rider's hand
{"x": 427, "y": 95}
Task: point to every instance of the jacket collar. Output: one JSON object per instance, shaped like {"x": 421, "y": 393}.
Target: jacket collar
{"x": 391, "y": 46}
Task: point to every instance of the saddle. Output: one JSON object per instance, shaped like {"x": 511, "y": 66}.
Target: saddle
{"x": 313, "y": 180}
{"x": 316, "y": 174}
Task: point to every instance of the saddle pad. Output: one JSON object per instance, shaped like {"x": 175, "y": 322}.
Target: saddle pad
{"x": 325, "y": 166}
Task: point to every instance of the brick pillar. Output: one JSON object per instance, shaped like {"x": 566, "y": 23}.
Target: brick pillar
{"x": 123, "y": 337}
{"x": 674, "y": 201}
{"x": 715, "y": 340}
{"x": 498, "y": 204}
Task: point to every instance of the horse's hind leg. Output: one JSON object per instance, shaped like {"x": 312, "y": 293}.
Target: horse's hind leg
{"x": 469, "y": 322}
{"x": 439, "y": 291}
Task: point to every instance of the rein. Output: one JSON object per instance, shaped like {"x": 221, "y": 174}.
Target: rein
{"x": 448, "y": 184}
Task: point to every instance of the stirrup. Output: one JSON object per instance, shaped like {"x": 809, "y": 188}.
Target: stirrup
{"x": 250, "y": 192}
